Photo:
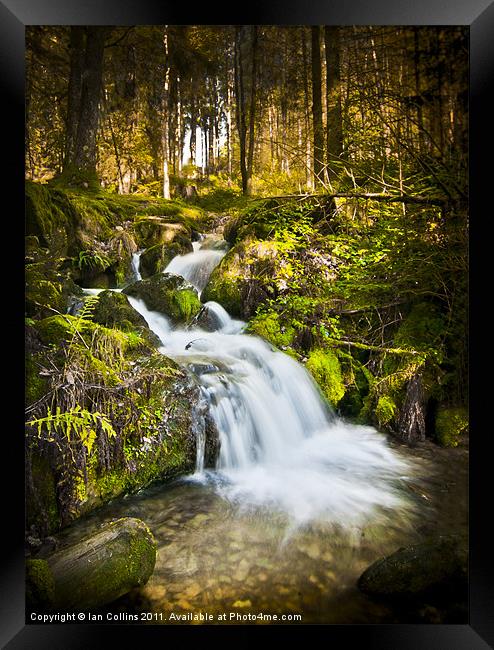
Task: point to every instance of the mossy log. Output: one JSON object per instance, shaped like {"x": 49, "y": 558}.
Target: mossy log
{"x": 100, "y": 568}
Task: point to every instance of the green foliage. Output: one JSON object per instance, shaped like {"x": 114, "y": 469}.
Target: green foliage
{"x": 268, "y": 326}
{"x": 92, "y": 260}
{"x": 326, "y": 370}
{"x": 40, "y": 586}
{"x": 423, "y": 329}
{"x": 76, "y": 422}
{"x": 451, "y": 424}
{"x": 385, "y": 409}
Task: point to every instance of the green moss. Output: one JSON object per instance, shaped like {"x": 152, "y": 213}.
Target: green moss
{"x": 44, "y": 290}
{"x": 156, "y": 258}
{"x": 73, "y": 177}
{"x": 129, "y": 562}
{"x": 111, "y": 484}
{"x": 49, "y": 216}
{"x": 224, "y": 290}
{"x": 40, "y": 586}
{"x": 187, "y": 305}
{"x": 168, "y": 294}
{"x": 41, "y": 499}
{"x": 325, "y": 368}
{"x": 385, "y": 409}
{"x": 268, "y": 326}
{"x": 151, "y": 231}
{"x": 451, "y": 423}
{"x": 114, "y": 310}
{"x": 142, "y": 556}
{"x": 422, "y": 329}
{"x": 35, "y": 385}
{"x": 64, "y": 327}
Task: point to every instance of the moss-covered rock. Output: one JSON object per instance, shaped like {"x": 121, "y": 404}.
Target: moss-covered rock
{"x": 98, "y": 569}
{"x": 50, "y": 217}
{"x": 151, "y": 406}
{"x": 152, "y": 230}
{"x": 385, "y": 409}
{"x": 243, "y": 279}
{"x": 268, "y": 326}
{"x": 440, "y": 563}
{"x": 48, "y": 289}
{"x": 42, "y": 512}
{"x": 35, "y": 385}
{"x": 64, "y": 327}
{"x": 450, "y": 425}
{"x": 113, "y": 310}
{"x": 156, "y": 258}
{"x": 326, "y": 370}
{"x": 168, "y": 294}
{"x": 40, "y": 585}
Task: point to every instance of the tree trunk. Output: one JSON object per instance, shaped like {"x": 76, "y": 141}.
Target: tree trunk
{"x": 85, "y": 151}
{"x": 193, "y": 132}
{"x": 76, "y": 48}
{"x": 243, "y": 41}
{"x": 166, "y": 118}
{"x": 178, "y": 135}
{"x": 317, "y": 104}
{"x": 252, "y": 111}
{"x": 240, "y": 106}
{"x": 334, "y": 141}
{"x": 308, "y": 151}
{"x": 85, "y": 82}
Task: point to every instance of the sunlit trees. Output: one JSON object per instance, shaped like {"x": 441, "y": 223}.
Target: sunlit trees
{"x": 262, "y": 108}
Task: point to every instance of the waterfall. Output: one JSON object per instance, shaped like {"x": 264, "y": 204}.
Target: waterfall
{"x": 196, "y": 267}
{"x": 136, "y": 261}
{"x": 281, "y": 444}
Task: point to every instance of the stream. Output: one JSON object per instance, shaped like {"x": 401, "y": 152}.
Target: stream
{"x": 300, "y": 502}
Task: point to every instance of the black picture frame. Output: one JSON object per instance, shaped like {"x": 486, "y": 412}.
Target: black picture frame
{"x": 14, "y": 16}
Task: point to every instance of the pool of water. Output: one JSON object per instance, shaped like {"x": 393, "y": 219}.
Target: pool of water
{"x": 218, "y": 558}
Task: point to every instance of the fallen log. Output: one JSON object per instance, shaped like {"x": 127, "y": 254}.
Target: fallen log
{"x": 96, "y": 570}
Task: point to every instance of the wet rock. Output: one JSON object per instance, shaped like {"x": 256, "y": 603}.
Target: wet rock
{"x": 114, "y": 310}
{"x": 207, "y": 320}
{"x": 156, "y": 258}
{"x": 168, "y": 294}
{"x": 96, "y": 570}
{"x": 153, "y": 230}
{"x": 242, "y": 571}
{"x": 438, "y": 565}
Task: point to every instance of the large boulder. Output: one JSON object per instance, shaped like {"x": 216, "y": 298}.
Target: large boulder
{"x": 96, "y": 570}
{"x": 48, "y": 289}
{"x": 50, "y": 217}
{"x": 114, "y": 310}
{"x": 242, "y": 280}
{"x": 168, "y": 294}
{"x": 152, "y": 230}
{"x": 438, "y": 565}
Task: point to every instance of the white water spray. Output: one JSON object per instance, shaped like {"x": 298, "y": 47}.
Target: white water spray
{"x": 196, "y": 267}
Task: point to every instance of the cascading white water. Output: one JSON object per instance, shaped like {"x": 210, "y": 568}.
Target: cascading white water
{"x": 196, "y": 267}
{"x": 281, "y": 444}
{"x": 136, "y": 261}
